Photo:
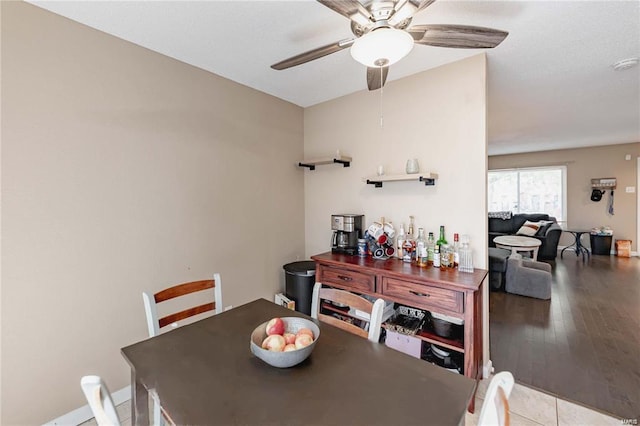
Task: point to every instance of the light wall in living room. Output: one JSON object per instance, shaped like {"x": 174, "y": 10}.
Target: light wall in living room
{"x": 124, "y": 170}
{"x": 583, "y": 164}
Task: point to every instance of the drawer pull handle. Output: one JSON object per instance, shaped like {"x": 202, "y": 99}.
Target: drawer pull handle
{"x": 345, "y": 278}
{"x": 419, "y": 294}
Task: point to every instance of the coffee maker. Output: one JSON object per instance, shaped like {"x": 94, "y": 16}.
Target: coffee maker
{"x": 347, "y": 228}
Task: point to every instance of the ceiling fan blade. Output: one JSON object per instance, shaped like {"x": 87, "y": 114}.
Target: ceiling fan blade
{"x": 351, "y": 9}
{"x": 313, "y": 54}
{"x": 421, "y": 4}
{"x": 457, "y": 36}
{"x": 376, "y": 77}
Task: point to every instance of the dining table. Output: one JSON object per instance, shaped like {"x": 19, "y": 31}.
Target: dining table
{"x": 204, "y": 373}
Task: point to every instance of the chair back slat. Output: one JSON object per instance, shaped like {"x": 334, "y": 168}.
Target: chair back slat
{"x": 183, "y": 289}
{"x": 170, "y": 319}
{"x": 343, "y": 325}
{"x": 346, "y": 298}
{"x": 354, "y": 301}
{"x": 502, "y": 407}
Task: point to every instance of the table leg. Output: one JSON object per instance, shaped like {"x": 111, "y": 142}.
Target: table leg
{"x": 575, "y": 246}
{"x": 139, "y": 402}
{"x": 583, "y": 249}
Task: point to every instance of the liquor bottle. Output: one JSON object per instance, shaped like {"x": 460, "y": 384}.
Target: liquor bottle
{"x": 436, "y": 256}
{"x": 431, "y": 246}
{"x": 421, "y": 249}
{"x": 456, "y": 251}
{"x": 442, "y": 240}
{"x": 444, "y": 257}
{"x": 400, "y": 241}
{"x": 412, "y": 237}
{"x": 408, "y": 249}
{"x": 410, "y": 232}
{"x": 466, "y": 261}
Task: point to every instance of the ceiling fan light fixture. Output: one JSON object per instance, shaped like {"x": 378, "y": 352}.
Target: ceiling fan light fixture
{"x": 382, "y": 47}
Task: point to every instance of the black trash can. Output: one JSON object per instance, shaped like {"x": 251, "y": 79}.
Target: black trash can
{"x": 601, "y": 244}
{"x": 300, "y": 277}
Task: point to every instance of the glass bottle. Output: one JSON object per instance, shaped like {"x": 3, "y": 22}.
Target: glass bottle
{"x": 400, "y": 241}
{"x": 442, "y": 240}
{"x": 410, "y": 233}
{"x": 411, "y": 237}
{"x": 466, "y": 260}
{"x": 421, "y": 249}
{"x": 456, "y": 251}
{"x": 436, "y": 256}
{"x": 431, "y": 245}
{"x": 444, "y": 257}
{"x": 408, "y": 249}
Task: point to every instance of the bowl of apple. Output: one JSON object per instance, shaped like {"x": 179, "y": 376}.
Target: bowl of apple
{"x": 284, "y": 342}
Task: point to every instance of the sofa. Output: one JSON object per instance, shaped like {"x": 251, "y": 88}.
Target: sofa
{"x": 509, "y": 224}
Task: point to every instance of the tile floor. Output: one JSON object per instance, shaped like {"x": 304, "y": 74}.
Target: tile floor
{"x": 528, "y": 407}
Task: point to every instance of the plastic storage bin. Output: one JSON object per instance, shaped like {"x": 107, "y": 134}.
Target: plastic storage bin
{"x": 601, "y": 244}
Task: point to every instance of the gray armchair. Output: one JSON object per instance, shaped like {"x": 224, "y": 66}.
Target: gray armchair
{"x": 528, "y": 278}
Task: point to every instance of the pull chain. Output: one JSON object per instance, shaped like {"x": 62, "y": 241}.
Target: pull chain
{"x": 381, "y": 112}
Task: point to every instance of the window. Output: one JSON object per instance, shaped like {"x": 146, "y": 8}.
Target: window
{"x": 529, "y": 190}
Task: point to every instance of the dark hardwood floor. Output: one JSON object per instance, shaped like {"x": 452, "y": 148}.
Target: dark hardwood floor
{"x": 582, "y": 345}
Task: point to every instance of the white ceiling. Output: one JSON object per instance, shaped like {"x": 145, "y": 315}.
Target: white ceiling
{"x": 551, "y": 84}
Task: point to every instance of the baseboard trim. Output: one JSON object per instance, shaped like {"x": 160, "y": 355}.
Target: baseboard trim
{"x": 487, "y": 370}
{"x": 84, "y": 413}
{"x": 612, "y": 252}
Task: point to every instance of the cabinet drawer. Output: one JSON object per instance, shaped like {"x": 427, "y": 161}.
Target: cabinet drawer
{"x": 423, "y": 296}
{"x": 348, "y": 279}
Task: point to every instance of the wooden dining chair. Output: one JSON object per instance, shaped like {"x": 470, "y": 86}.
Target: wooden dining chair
{"x": 354, "y": 301}
{"x": 495, "y": 409}
{"x": 156, "y": 323}
{"x": 100, "y": 402}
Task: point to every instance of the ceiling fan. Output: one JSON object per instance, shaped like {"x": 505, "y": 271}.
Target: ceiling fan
{"x": 383, "y": 35}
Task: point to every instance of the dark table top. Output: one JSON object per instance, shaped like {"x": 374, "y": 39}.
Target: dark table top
{"x": 204, "y": 373}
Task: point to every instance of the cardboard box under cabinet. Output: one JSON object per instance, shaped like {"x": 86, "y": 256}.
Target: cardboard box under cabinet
{"x": 282, "y": 300}
{"x": 623, "y": 248}
{"x": 410, "y": 345}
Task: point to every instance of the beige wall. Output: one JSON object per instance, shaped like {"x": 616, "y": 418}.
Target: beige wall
{"x": 122, "y": 171}
{"x": 438, "y": 117}
{"x": 583, "y": 164}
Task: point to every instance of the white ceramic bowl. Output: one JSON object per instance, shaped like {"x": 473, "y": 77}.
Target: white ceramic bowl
{"x": 284, "y": 359}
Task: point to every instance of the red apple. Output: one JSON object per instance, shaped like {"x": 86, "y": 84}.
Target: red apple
{"x": 274, "y": 343}
{"x": 290, "y": 347}
{"x": 305, "y": 331}
{"x": 290, "y": 338}
{"x": 275, "y": 326}
{"x": 303, "y": 340}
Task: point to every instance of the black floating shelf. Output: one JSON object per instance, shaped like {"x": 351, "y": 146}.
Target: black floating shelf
{"x": 429, "y": 179}
{"x": 311, "y": 164}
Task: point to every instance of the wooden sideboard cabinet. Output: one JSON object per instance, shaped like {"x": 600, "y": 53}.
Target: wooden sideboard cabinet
{"x": 450, "y": 292}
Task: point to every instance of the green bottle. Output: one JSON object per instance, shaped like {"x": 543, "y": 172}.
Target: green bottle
{"x": 442, "y": 240}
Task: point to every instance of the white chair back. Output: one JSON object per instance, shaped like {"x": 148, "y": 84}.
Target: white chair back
{"x": 155, "y": 323}
{"x": 375, "y": 310}
{"x": 100, "y": 402}
{"x": 495, "y": 409}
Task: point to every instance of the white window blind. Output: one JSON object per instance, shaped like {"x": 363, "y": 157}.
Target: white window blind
{"x": 529, "y": 190}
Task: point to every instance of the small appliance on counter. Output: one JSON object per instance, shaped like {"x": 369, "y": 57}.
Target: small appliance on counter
{"x": 347, "y": 229}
